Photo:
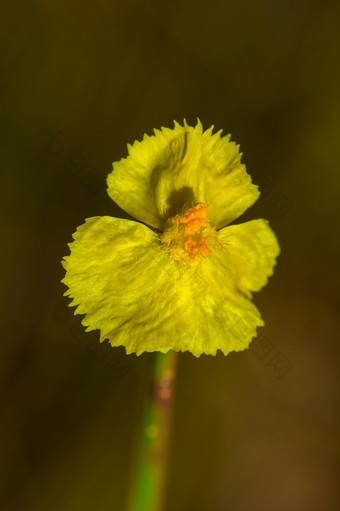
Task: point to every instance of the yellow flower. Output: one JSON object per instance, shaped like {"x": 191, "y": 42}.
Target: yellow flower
{"x": 180, "y": 277}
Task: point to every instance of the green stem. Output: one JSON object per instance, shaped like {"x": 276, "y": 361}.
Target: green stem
{"x": 148, "y": 487}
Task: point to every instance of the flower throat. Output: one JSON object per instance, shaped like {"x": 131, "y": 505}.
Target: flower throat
{"x": 188, "y": 237}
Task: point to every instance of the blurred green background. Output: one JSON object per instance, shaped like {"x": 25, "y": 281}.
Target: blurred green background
{"x": 254, "y": 430}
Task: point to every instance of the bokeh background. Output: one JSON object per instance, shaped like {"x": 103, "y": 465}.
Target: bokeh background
{"x": 254, "y": 430}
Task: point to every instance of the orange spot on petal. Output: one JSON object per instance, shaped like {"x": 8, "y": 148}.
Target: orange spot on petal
{"x": 203, "y": 247}
{"x": 194, "y": 217}
{"x": 190, "y": 247}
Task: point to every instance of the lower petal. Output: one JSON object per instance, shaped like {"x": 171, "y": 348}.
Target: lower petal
{"x": 119, "y": 276}
{"x": 129, "y": 288}
{"x": 222, "y": 318}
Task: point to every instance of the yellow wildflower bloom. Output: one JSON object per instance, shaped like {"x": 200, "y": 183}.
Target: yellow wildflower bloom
{"x": 180, "y": 277}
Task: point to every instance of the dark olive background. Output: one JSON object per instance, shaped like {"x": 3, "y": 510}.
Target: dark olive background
{"x": 254, "y": 430}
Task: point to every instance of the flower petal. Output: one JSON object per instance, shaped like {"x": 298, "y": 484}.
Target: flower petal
{"x": 128, "y": 287}
{"x": 117, "y": 275}
{"x": 251, "y": 249}
{"x": 177, "y": 168}
{"x": 224, "y": 319}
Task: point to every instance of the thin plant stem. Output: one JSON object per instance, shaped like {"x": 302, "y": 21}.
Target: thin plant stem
{"x": 147, "y": 490}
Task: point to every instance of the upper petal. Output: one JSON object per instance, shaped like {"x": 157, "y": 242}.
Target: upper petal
{"x": 175, "y": 169}
{"x": 251, "y": 250}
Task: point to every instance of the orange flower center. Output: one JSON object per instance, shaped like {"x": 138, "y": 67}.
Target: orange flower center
{"x": 194, "y": 217}
{"x": 188, "y": 237}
